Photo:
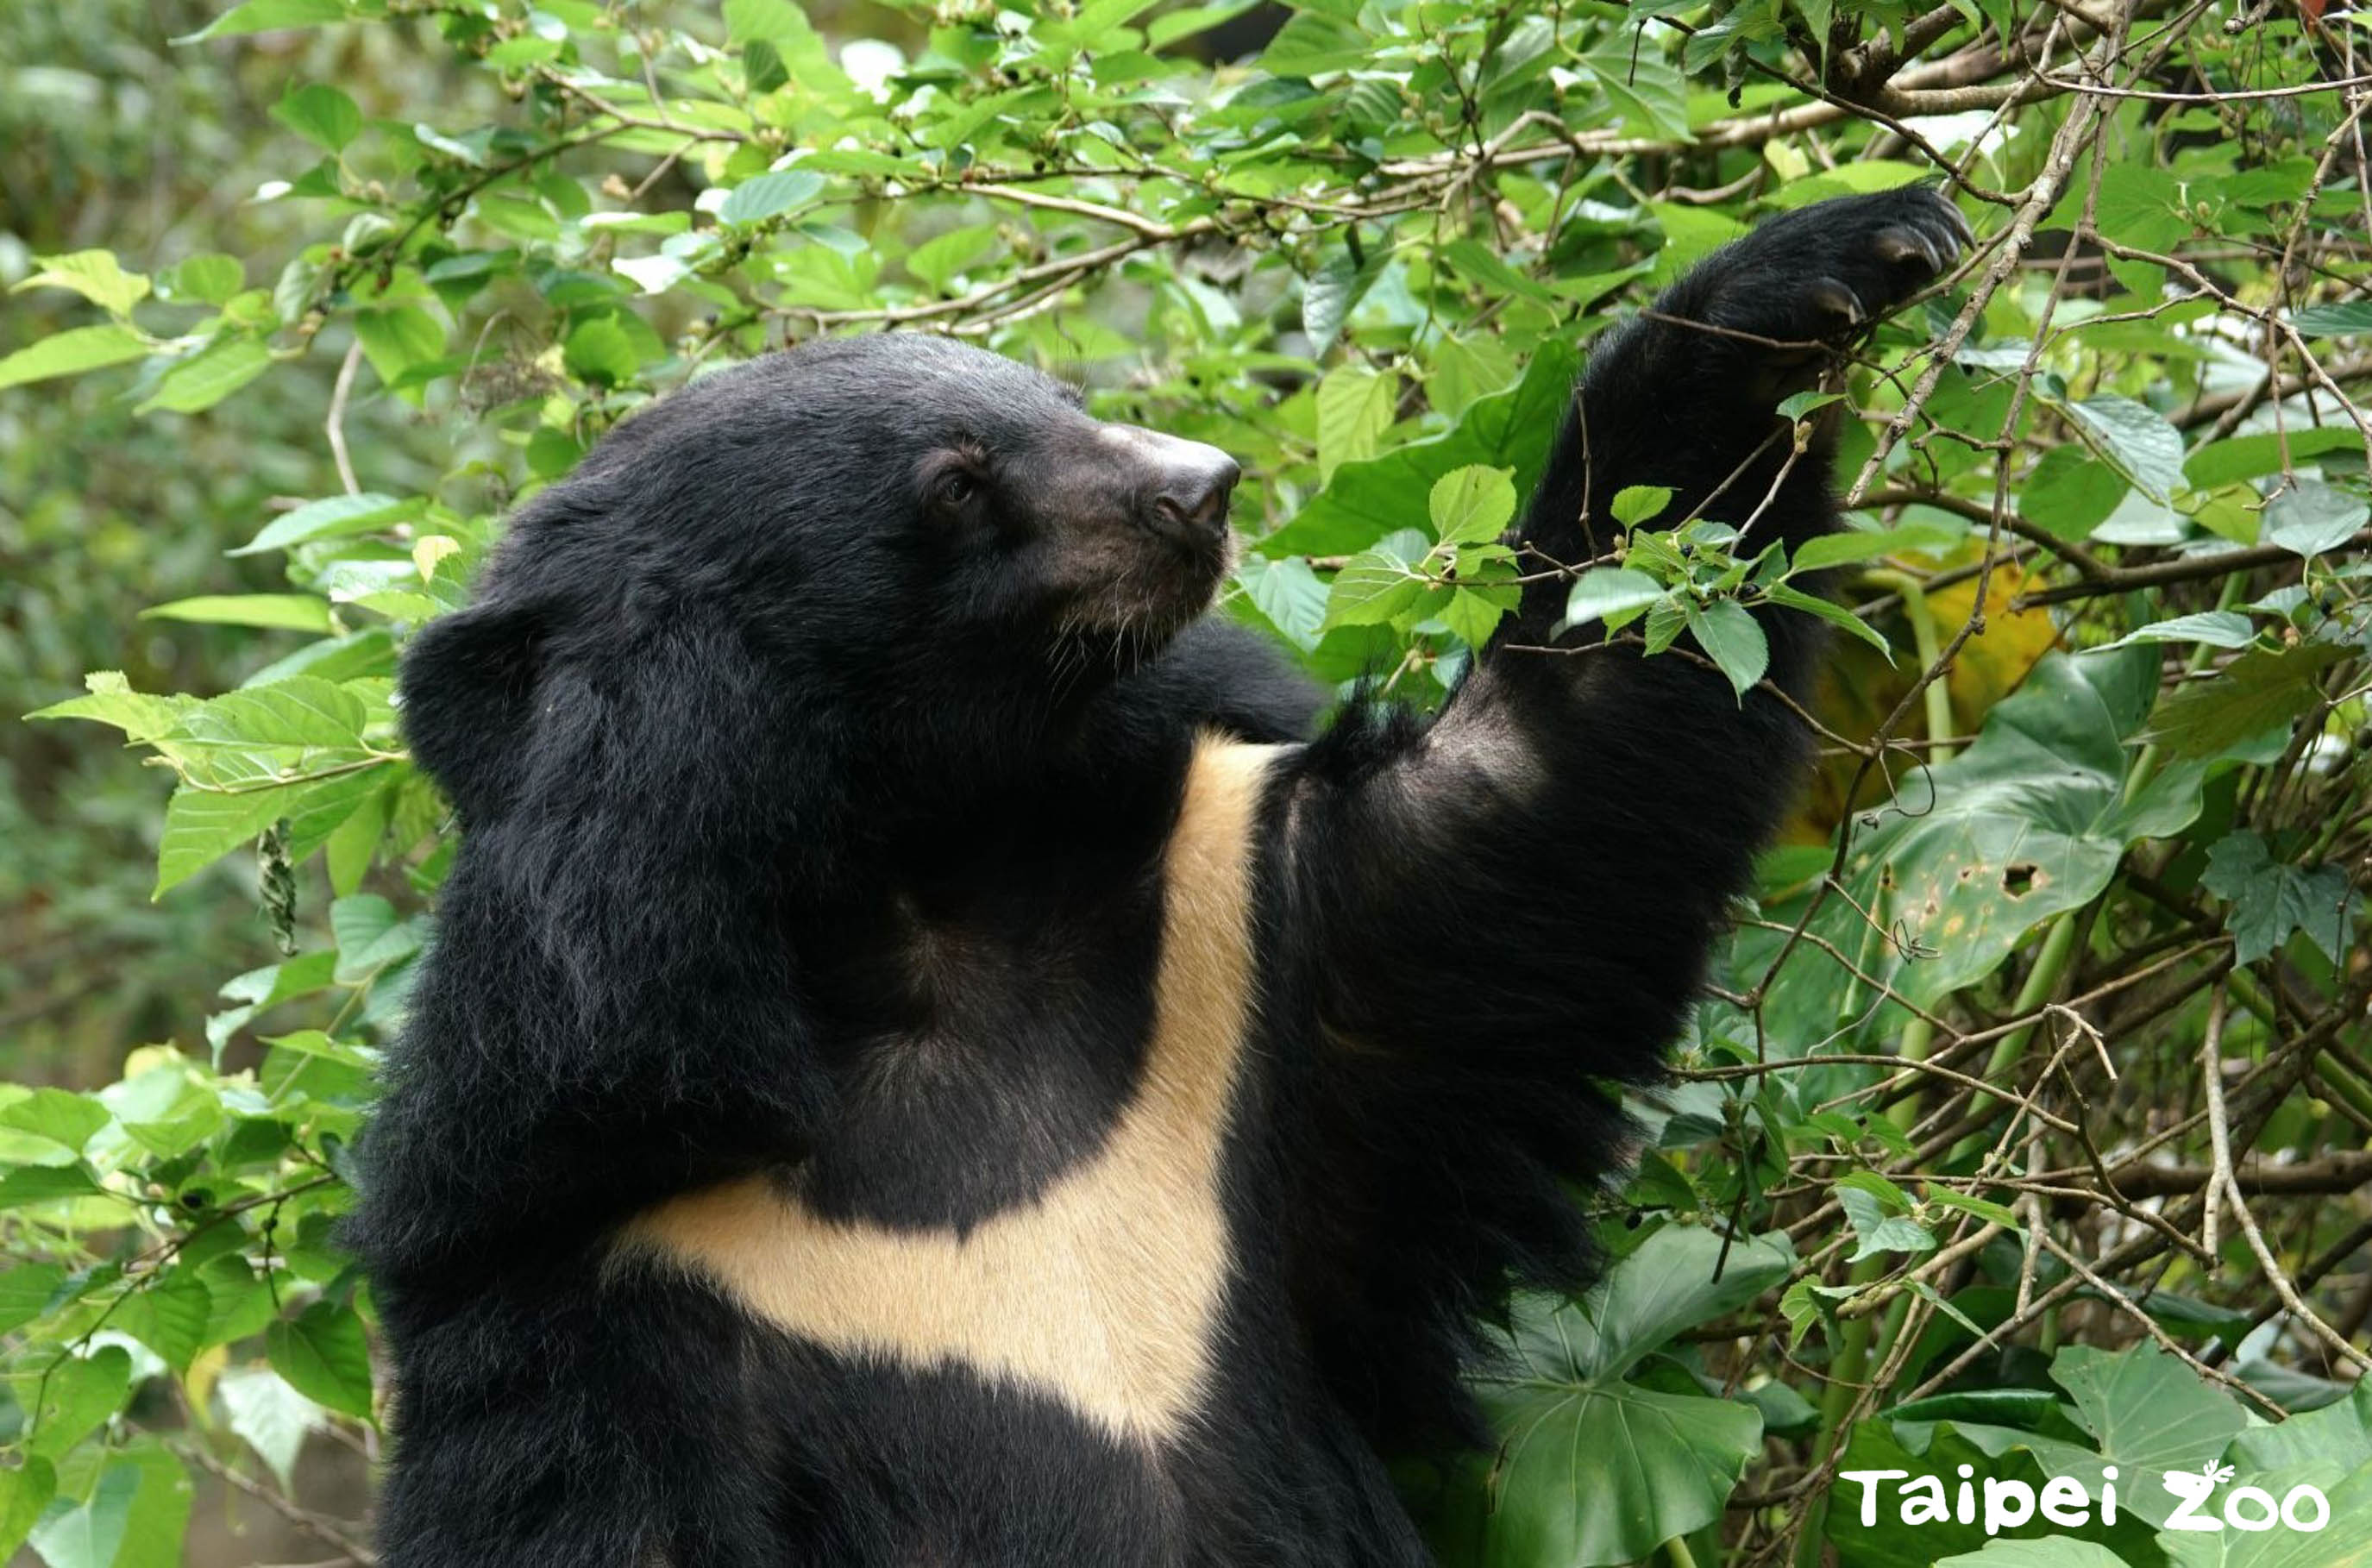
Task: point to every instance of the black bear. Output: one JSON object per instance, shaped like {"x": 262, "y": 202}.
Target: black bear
{"x": 926, "y": 1062}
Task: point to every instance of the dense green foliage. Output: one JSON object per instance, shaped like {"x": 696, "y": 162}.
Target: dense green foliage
{"x": 2028, "y": 1124}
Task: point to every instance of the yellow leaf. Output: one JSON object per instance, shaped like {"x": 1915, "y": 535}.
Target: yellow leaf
{"x": 430, "y": 548}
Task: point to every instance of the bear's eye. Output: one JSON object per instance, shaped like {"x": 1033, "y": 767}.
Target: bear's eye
{"x": 955, "y": 488}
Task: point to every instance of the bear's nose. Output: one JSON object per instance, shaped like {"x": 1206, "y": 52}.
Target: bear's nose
{"x": 1195, "y": 495}
{"x": 1189, "y": 486}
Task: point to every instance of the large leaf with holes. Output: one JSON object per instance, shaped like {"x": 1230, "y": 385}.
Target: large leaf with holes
{"x": 1592, "y": 1467}
{"x": 1971, "y": 855}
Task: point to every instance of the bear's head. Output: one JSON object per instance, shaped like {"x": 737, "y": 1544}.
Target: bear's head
{"x": 845, "y": 567}
{"x": 905, "y": 484}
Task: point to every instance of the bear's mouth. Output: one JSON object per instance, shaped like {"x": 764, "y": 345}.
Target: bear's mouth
{"x": 1135, "y": 541}
{"x": 1124, "y": 614}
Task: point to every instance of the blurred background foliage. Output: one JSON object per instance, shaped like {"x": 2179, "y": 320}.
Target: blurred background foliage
{"x": 2028, "y": 1124}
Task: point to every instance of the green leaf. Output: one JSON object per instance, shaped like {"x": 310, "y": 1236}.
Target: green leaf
{"x": 161, "y": 1508}
{"x": 322, "y": 114}
{"x": 210, "y": 277}
{"x": 761, "y": 66}
{"x": 2309, "y": 517}
{"x": 203, "y": 825}
{"x": 1797, "y": 405}
{"x": 2037, "y": 1554}
{"x": 1329, "y": 293}
{"x": 208, "y": 376}
{"x": 2147, "y": 1412}
{"x": 1605, "y": 591}
{"x": 1472, "y": 504}
{"x": 1373, "y": 587}
{"x": 1891, "y": 1198}
{"x": 600, "y": 351}
{"x": 333, "y": 517}
{"x": 1479, "y": 264}
{"x": 939, "y": 259}
{"x": 316, "y": 1042}
{"x": 81, "y": 1392}
{"x": 30, "y": 1184}
{"x": 1096, "y": 21}
{"x": 2137, "y": 439}
{"x": 785, "y": 26}
{"x": 323, "y": 1355}
{"x": 369, "y": 936}
{"x": 1364, "y": 501}
{"x": 2029, "y": 822}
{"x": 1835, "y": 614}
{"x": 26, "y": 1292}
{"x": 168, "y": 1110}
{"x": 2334, "y": 321}
{"x": 2141, "y": 1411}
{"x": 1169, "y": 27}
{"x": 25, "y": 1490}
{"x": 768, "y": 195}
{"x": 2139, "y": 204}
{"x": 168, "y": 1316}
{"x": 1895, "y": 1236}
{"x": 1592, "y": 1468}
{"x": 2329, "y": 1449}
{"x": 90, "y": 1534}
{"x": 1355, "y": 409}
{"x": 2215, "y": 628}
{"x": 1464, "y": 369}
{"x": 109, "y": 700}
{"x": 1311, "y": 44}
{"x": 2253, "y": 456}
{"x": 1288, "y": 594}
{"x": 97, "y": 275}
{"x": 1805, "y": 1308}
{"x": 1648, "y": 95}
{"x": 1472, "y": 614}
{"x": 2070, "y": 492}
{"x": 269, "y": 15}
{"x": 1961, "y": 1202}
{"x": 1733, "y": 639}
{"x": 509, "y": 213}
{"x": 1876, "y": 1230}
{"x": 398, "y": 338}
{"x": 302, "y": 711}
{"x": 867, "y": 161}
{"x": 72, "y": 351}
{"x": 1848, "y": 545}
{"x": 775, "y": 21}
{"x": 1637, "y": 503}
{"x": 2270, "y": 899}
{"x": 347, "y": 852}
{"x": 2261, "y": 690}
{"x": 273, "y": 1418}
{"x": 56, "y": 1116}
{"x": 286, "y": 612}
{"x": 2339, "y": 1435}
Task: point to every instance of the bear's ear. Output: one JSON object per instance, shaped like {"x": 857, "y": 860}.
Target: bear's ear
{"x": 468, "y": 683}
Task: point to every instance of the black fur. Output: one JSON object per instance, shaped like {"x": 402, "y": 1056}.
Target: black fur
{"x": 762, "y": 692}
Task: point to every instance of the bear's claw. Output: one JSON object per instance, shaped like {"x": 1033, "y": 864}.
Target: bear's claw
{"x": 1826, "y": 271}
